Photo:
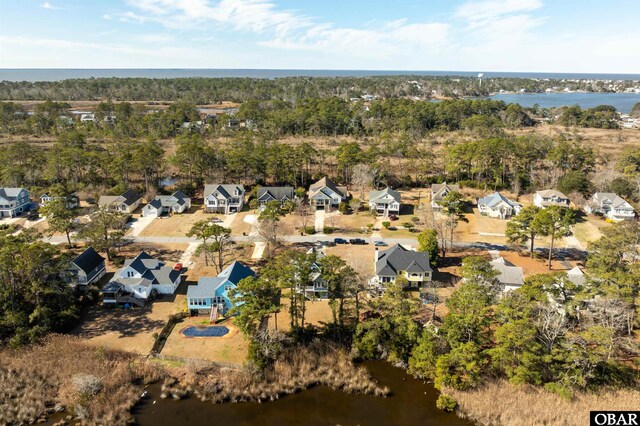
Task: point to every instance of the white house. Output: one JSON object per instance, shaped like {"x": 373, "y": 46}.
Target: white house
{"x": 224, "y": 199}
{"x": 385, "y": 202}
{"x": 511, "y": 277}
{"x": 439, "y": 191}
{"x": 550, "y": 197}
{"x": 611, "y": 205}
{"x": 73, "y": 202}
{"x": 162, "y": 205}
{"x": 497, "y": 205}
{"x": 128, "y": 202}
{"x": 14, "y": 202}
{"x": 325, "y": 194}
{"x": 139, "y": 277}
{"x": 397, "y": 260}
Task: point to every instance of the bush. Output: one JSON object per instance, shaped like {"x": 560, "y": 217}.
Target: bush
{"x": 86, "y": 384}
{"x": 386, "y": 224}
{"x": 343, "y": 207}
{"x": 309, "y": 230}
{"x": 328, "y": 229}
{"x": 446, "y": 403}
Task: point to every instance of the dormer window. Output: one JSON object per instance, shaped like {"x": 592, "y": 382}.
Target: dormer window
{"x": 237, "y": 191}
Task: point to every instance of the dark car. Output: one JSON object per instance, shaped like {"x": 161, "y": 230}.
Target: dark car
{"x": 357, "y": 241}
{"x": 393, "y": 217}
{"x": 33, "y": 215}
{"x": 340, "y": 241}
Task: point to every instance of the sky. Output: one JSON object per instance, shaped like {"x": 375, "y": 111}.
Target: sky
{"x": 585, "y": 36}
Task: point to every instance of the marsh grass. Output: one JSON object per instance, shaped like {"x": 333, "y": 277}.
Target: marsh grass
{"x": 501, "y": 403}
{"x": 95, "y": 385}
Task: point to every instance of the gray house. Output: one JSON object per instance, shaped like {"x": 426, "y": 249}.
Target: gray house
{"x": 509, "y": 275}
{"x": 13, "y": 202}
{"x": 439, "y": 191}
{"x": 225, "y": 199}
{"x": 274, "y": 193}
{"x": 87, "y": 268}
{"x": 178, "y": 202}
{"x": 325, "y": 194}
{"x": 498, "y": 206}
{"x": 385, "y": 202}
{"x": 317, "y": 287}
{"x": 398, "y": 260}
{"x": 125, "y": 203}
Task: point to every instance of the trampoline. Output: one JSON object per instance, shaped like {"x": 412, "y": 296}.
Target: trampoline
{"x": 206, "y": 331}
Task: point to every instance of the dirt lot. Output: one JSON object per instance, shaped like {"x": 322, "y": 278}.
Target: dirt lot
{"x": 353, "y": 223}
{"x": 177, "y": 225}
{"x": 535, "y": 266}
{"x": 230, "y": 349}
{"x": 318, "y": 312}
{"x": 358, "y": 257}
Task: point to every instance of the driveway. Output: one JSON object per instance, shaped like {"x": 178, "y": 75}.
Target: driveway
{"x": 142, "y": 222}
{"x": 319, "y": 222}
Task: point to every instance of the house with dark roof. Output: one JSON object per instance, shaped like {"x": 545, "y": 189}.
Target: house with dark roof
{"x": 550, "y": 197}
{"x": 213, "y": 293}
{"x": 511, "y": 277}
{"x": 439, "y": 191}
{"x": 87, "y": 268}
{"x": 317, "y": 287}
{"x": 498, "y": 206}
{"x": 163, "y": 205}
{"x": 128, "y": 202}
{"x": 611, "y": 206}
{"x": 325, "y": 194}
{"x": 14, "y": 202}
{"x": 282, "y": 194}
{"x": 140, "y": 276}
{"x": 400, "y": 261}
{"x": 225, "y": 199}
{"x": 385, "y": 202}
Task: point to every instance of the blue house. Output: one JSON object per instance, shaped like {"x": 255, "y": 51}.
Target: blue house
{"x": 213, "y": 292}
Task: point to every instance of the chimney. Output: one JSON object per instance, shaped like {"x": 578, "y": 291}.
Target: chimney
{"x": 375, "y": 258}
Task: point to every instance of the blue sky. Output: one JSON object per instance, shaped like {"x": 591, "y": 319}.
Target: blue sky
{"x": 464, "y": 35}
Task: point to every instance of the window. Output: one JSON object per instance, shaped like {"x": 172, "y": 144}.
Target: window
{"x": 227, "y": 287}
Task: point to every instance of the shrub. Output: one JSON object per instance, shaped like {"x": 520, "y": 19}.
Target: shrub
{"x": 343, "y": 207}
{"x": 86, "y": 384}
{"x": 310, "y": 230}
{"x": 446, "y": 403}
{"x": 386, "y": 224}
{"x": 328, "y": 229}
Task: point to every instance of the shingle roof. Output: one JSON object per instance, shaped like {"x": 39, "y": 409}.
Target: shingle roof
{"x": 548, "y": 193}
{"x": 386, "y": 195}
{"x": 576, "y": 276}
{"x": 275, "y": 192}
{"x": 323, "y": 184}
{"x": 509, "y": 273}
{"x": 398, "y": 258}
{"x": 130, "y": 196}
{"x": 494, "y": 199}
{"x": 206, "y": 287}
{"x": 226, "y": 191}
{"x": 162, "y": 275}
{"x": 88, "y": 260}
{"x": 142, "y": 262}
{"x": 236, "y": 272}
{"x": 10, "y": 193}
{"x": 438, "y": 189}
{"x": 616, "y": 201}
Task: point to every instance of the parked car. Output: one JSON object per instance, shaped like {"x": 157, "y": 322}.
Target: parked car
{"x": 178, "y": 267}
{"x": 340, "y": 241}
{"x": 215, "y": 220}
{"x": 357, "y": 241}
{"x": 393, "y": 217}
{"x": 380, "y": 244}
{"x": 33, "y": 215}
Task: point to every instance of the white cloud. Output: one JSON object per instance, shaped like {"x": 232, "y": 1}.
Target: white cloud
{"x": 47, "y": 5}
{"x": 475, "y": 11}
{"x": 106, "y": 16}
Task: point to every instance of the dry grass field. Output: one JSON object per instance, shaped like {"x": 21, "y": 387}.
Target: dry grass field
{"x": 317, "y": 313}
{"x": 179, "y": 224}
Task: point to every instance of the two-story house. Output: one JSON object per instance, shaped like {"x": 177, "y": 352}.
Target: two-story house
{"x": 162, "y": 205}
{"x": 550, "y": 197}
{"x": 128, "y": 202}
{"x": 87, "y": 268}
{"x": 72, "y": 200}
{"x": 139, "y": 277}
{"x": 511, "y": 277}
{"x": 282, "y": 194}
{"x": 14, "y": 202}
{"x": 439, "y": 191}
{"x": 325, "y": 194}
{"x": 385, "y": 202}
{"x": 498, "y": 206}
{"x": 400, "y": 261}
{"x": 225, "y": 199}
{"x": 611, "y": 206}
{"x": 213, "y": 293}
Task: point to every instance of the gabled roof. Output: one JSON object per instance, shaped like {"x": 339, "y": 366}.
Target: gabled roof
{"x": 439, "y": 190}
{"x": 549, "y": 193}
{"x": 142, "y": 262}
{"x": 206, "y": 287}
{"x": 616, "y": 201}
{"x": 398, "y": 258}
{"x": 576, "y": 276}
{"x": 495, "y": 199}
{"x": 130, "y": 197}
{"x": 509, "y": 273}
{"x": 226, "y": 191}
{"x": 386, "y": 195}
{"x": 88, "y": 260}
{"x": 178, "y": 198}
{"x": 162, "y": 275}
{"x": 277, "y": 193}
{"x": 10, "y": 193}
{"x": 325, "y": 184}
{"x": 236, "y": 272}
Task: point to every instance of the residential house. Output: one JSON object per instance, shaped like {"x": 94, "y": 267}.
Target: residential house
{"x": 576, "y": 276}
{"x": 14, "y": 202}
{"x": 511, "y": 277}
{"x": 87, "y": 268}
{"x": 385, "y": 202}
{"x": 317, "y": 287}
{"x": 439, "y": 191}
{"x": 128, "y": 202}
{"x": 550, "y": 197}
{"x": 225, "y": 199}
{"x": 398, "y": 260}
{"x": 73, "y": 201}
{"x": 138, "y": 278}
{"x": 88, "y": 116}
{"x": 498, "y": 206}
{"x": 325, "y": 194}
{"x": 212, "y": 293}
{"x": 611, "y": 206}
{"x": 281, "y": 194}
{"x": 162, "y": 205}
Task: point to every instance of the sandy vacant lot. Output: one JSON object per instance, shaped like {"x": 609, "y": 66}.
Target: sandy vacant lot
{"x": 535, "y": 266}
{"x": 177, "y": 225}
{"x": 317, "y": 313}
{"x": 229, "y": 349}
{"x": 358, "y": 257}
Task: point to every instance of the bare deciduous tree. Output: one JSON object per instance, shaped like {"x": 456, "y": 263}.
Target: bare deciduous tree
{"x": 362, "y": 177}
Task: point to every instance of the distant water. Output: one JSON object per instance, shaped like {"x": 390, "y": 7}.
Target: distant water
{"x": 56, "y": 74}
{"x": 623, "y": 102}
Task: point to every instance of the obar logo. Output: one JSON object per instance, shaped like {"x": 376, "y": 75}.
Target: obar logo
{"x": 615, "y": 418}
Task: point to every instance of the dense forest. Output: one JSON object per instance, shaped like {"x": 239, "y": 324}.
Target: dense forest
{"x": 211, "y": 90}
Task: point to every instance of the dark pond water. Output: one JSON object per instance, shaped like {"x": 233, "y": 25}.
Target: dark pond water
{"x": 412, "y": 403}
